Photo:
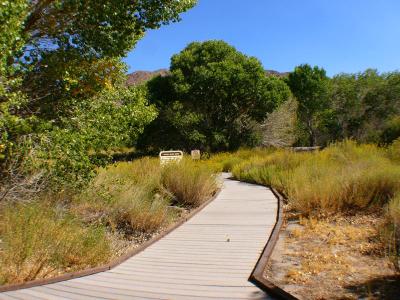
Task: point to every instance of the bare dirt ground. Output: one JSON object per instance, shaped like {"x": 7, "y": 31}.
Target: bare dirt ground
{"x": 338, "y": 258}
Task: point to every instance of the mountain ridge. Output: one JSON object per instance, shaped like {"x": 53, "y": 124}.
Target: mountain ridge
{"x": 138, "y": 77}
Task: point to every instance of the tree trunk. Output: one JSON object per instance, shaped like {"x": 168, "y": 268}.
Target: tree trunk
{"x": 311, "y": 133}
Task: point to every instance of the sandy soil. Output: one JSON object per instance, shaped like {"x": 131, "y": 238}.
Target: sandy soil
{"x": 338, "y": 258}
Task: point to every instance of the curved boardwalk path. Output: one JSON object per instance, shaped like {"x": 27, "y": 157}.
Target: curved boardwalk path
{"x": 209, "y": 257}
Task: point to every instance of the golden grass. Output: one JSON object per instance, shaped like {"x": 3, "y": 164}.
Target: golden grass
{"x": 225, "y": 161}
{"x": 393, "y": 151}
{"x": 126, "y": 201}
{"x": 127, "y": 197}
{"x": 335, "y": 179}
{"x": 137, "y": 196}
{"x": 341, "y": 178}
{"x": 189, "y": 182}
{"x": 38, "y": 241}
{"x": 391, "y": 232}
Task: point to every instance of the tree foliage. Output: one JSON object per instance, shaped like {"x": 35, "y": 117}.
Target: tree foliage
{"x": 98, "y": 125}
{"x": 364, "y": 105}
{"x": 310, "y": 87}
{"x": 211, "y": 98}
{"x": 62, "y": 81}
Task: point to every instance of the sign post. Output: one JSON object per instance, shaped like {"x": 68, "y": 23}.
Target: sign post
{"x": 195, "y": 154}
{"x": 168, "y": 156}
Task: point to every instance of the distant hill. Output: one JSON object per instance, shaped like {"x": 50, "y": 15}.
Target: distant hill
{"x": 139, "y": 77}
{"x": 276, "y": 73}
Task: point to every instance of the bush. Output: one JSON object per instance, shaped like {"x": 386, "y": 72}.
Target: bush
{"x": 127, "y": 196}
{"x": 391, "y": 130}
{"x": 394, "y": 151}
{"x": 136, "y": 196}
{"x": 37, "y": 241}
{"x": 190, "y": 183}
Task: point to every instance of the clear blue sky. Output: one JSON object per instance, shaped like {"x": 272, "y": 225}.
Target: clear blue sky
{"x": 339, "y": 35}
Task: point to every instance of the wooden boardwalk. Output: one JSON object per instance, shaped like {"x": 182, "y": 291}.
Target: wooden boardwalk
{"x": 209, "y": 257}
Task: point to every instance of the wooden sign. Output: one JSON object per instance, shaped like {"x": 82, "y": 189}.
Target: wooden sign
{"x": 168, "y": 156}
{"x": 195, "y": 154}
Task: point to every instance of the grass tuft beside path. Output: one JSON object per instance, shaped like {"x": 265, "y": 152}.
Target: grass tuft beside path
{"x": 124, "y": 205}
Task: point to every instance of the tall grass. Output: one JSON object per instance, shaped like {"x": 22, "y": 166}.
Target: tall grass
{"x": 126, "y": 197}
{"x": 37, "y": 241}
{"x": 189, "y": 183}
{"x": 137, "y": 196}
{"x": 392, "y": 230}
{"x": 343, "y": 177}
{"x": 225, "y": 161}
{"x": 62, "y": 233}
{"x": 338, "y": 178}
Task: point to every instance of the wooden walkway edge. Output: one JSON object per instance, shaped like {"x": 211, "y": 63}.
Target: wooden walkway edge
{"x": 211, "y": 256}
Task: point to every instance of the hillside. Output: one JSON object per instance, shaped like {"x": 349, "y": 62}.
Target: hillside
{"x": 139, "y": 77}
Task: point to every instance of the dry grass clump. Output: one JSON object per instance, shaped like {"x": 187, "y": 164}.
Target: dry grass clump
{"x": 342, "y": 176}
{"x": 128, "y": 201}
{"x": 325, "y": 186}
{"x": 393, "y": 151}
{"x": 128, "y": 209}
{"x": 127, "y": 196}
{"x": 274, "y": 169}
{"x": 37, "y": 241}
{"x": 137, "y": 196}
{"x": 190, "y": 183}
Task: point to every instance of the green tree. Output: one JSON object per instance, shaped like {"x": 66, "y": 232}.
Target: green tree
{"x": 310, "y": 86}
{"x": 58, "y": 60}
{"x": 391, "y": 130}
{"x": 365, "y": 103}
{"x": 211, "y": 98}
{"x": 12, "y": 16}
{"x": 73, "y": 47}
{"x": 115, "y": 118}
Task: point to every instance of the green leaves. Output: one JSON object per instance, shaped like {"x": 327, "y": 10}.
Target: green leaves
{"x": 115, "y": 118}
{"x": 310, "y": 86}
{"x": 98, "y": 28}
{"x": 220, "y": 90}
{"x": 62, "y": 81}
{"x": 364, "y": 105}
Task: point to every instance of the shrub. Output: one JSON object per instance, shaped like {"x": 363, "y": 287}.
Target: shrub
{"x": 391, "y": 130}
{"x": 127, "y": 196}
{"x": 37, "y": 241}
{"x": 136, "y": 196}
{"x": 190, "y": 183}
{"x": 394, "y": 151}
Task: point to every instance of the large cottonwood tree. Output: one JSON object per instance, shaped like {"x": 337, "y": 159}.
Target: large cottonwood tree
{"x": 211, "y": 98}
{"x": 60, "y": 64}
{"x": 310, "y": 86}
